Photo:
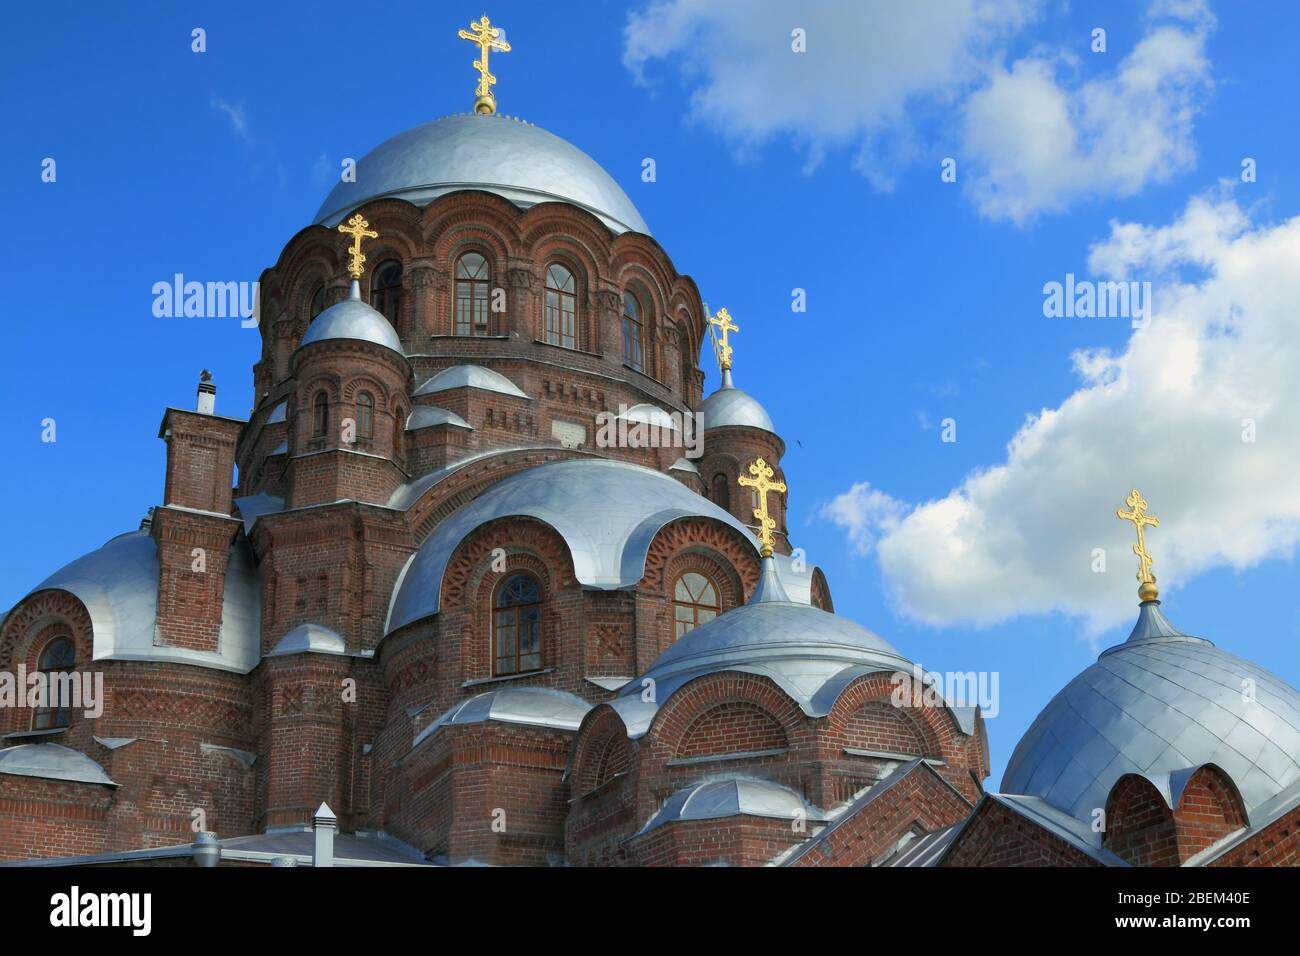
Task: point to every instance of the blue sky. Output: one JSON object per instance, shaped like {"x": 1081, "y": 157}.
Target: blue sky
{"x": 775, "y": 171}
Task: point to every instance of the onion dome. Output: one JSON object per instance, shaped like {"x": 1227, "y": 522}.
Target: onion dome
{"x": 497, "y": 154}
{"x": 731, "y": 406}
{"x": 1160, "y": 705}
{"x": 354, "y": 320}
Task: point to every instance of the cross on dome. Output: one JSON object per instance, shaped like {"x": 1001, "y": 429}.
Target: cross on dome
{"x": 488, "y": 38}
{"x": 1137, "y": 514}
{"x": 762, "y": 483}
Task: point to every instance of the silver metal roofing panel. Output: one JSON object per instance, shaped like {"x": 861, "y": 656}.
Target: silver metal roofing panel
{"x": 469, "y": 376}
{"x": 607, "y": 512}
{"x": 684, "y": 464}
{"x": 354, "y": 320}
{"x": 309, "y": 639}
{"x": 732, "y": 796}
{"x": 648, "y": 414}
{"x": 278, "y": 414}
{"x": 52, "y": 762}
{"x": 498, "y": 154}
{"x": 1162, "y": 703}
{"x": 426, "y": 416}
{"x": 731, "y": 406}
{"x": 118, "y": 584}
{"x": 535, "y": 706}
{"x": 252, "y": 507}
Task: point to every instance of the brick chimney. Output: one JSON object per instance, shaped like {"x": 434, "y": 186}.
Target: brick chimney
{"x": 193, "y": 526}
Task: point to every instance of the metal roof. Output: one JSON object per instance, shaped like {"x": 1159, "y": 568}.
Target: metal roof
{"x": 684, "y": 464}
{"x": 535, "y": 706}
{"x": 731, "y": 406}
{"x": 731, "y": 796}
{"x": 52, "y": 762}
{"x": 1160, "y": 705}
{"x": 497, "y": 154}
{"x": 309, "y": 639}
{"x": 608, "y": 512}
{"x": 648, "y": 414}
{"x": 118, "y": 584}
{"x": 353, "y": 320}
{"x": 469, "y": 376}
{"x": 278, "y": 414}
{"x": 426, "y": 416}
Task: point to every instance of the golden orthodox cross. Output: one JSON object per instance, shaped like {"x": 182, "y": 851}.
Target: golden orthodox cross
{"x": 724, "y": 324}
{"x": 762, "y": 483}
{"x": 1137, "y": 514}
{"x": 488, "y": 38}
{"x": 357, "y": 228}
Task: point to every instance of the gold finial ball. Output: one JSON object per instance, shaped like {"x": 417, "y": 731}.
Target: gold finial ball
{"x": 1148, "y": 591}
{"x": 486, "y": 104}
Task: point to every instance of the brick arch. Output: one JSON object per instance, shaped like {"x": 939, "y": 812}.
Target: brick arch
{"x": 525, "y": 539}
{"x": 732, "y": 727}
{"x": 715, "y": 540}
{"x": 935, "y": 728}
{"x": 820, "y": 591}
{"x": 399, "y": 224}
{"x": 370, "y": 384}
{"x": 450, "y": 229}
{"x": 1139, "y": 826}
{"x": 601, "y": 751}
{"x": 35, "y": 621}
{"x": 1211, "y": 799}
{"x": 556, "y": 220}
{"x": 677, "y": 721}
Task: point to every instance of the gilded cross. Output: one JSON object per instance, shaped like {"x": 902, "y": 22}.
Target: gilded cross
{"x": 488, "y": 38}
{"x": 762, "y": 483}
{"x": 724, "y": 324}
{"x": 1137, "y": 514}
{"x": 357, "y": 228}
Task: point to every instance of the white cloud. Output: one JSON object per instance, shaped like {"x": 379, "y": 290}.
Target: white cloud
{"x": 864, "y": 512}
{"x": 236, "y": 115}
{"x": 1165, "y": 415}
{"x": 1033, "y": 145}
{"x": 864, "y": 63}
{"x": 893, "y": 81}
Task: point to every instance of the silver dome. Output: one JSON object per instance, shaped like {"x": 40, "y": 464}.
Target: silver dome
{"x": 534, "y": 706}
{"x": 118, "y": 584}
{"x": 731, "y": 406}
{"x": 469, "y": 376}
{"x": 1157, "y": 705}
{"x": 608, "y": 512}
{"x": 309, "y": 639}
{"x": 354, "y": 320}
{"x": 426, "y": 416}
{"x": 732, "y": 796}
{"x": 497, "y": 154}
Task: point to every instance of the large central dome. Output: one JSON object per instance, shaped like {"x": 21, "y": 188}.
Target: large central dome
{"x": 497, "y": 154}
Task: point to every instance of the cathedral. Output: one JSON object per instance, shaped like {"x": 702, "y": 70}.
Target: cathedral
{"x": 484, "y": 578}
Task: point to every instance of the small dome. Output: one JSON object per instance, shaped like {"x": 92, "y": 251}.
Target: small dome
{"x": 497, "y": 154}
{"x": 647, "y": 414}
{"x": 52, "y": 762}
{"x": 1160, "y": 703}
{"x": 535, "y": 706}
{"x": 352, "y": 319}
{"x": 426, "y": 416}
{"x": 309, "y": 639}
{"x": 731, "y": 797}
{"x": 731, "y": 406}
{"x": 470, "y": 376}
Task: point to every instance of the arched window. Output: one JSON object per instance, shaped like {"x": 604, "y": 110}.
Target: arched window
{"x": 57, "y": 657}
{"x": 722, "y": 491}
{"x": 517, "y": 626}
{"x": 320, "y": 419}
{"x": 472, "y": 281}
{"x": 633, "y": 347}
{"x": 317, "y": 302}
{"x": 386, "y": 289}
{"x": 365, "y": 415}
{"x": 561, "y": 306}
{"x": 695, "y": 602}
